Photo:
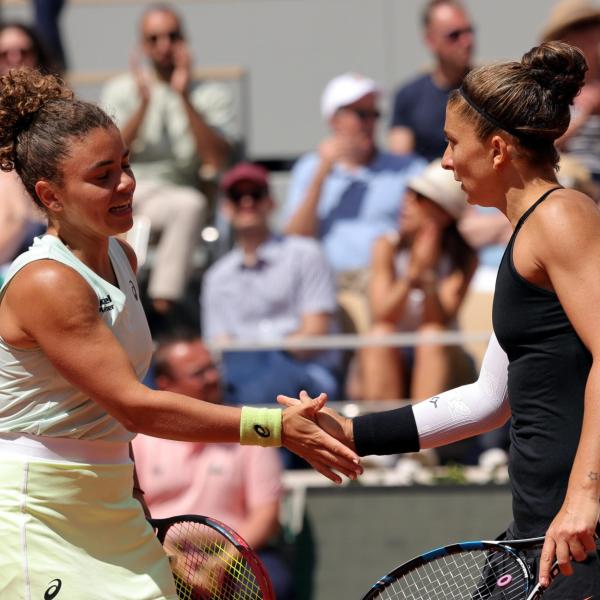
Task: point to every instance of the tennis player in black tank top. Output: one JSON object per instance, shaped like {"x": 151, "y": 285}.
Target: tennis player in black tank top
{"x": 547, "y": 373}
{"x": 501, "y": 127}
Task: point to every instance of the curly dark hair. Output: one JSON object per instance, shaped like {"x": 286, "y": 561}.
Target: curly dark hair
{"x": 39, "y": 116}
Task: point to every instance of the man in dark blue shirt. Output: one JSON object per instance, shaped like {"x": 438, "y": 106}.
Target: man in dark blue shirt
{"x": 420, "y": 106}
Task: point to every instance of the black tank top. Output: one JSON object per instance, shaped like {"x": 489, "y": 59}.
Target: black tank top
{"x": 547, "y": 373}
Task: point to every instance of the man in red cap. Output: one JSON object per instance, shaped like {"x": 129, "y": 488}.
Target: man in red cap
{"x": 267, "y": 288}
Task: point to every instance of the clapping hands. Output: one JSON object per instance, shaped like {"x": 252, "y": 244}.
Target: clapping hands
{"x": 182, "y": 73}
{"x": 140, "y": 75}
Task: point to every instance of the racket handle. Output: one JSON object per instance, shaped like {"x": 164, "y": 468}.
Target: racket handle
{"x": 538, "y": 591}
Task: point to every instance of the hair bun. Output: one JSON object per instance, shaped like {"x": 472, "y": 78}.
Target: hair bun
{"x": 23, "y": 93}
{"x": 558, "y": 67}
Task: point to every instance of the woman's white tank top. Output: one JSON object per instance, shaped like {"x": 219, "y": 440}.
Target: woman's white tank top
{"x": 34, "y": 397}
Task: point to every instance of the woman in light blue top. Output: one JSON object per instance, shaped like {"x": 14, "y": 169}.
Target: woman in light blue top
{"x": 74, "y": 344}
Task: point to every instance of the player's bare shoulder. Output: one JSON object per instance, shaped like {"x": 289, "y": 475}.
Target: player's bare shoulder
{"x": 563, "y": 205}
{"x": 44, "y": 294}
{"x": 567, "y": 227}
{"x": 565, "y": 212}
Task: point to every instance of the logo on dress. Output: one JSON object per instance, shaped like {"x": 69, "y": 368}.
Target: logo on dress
{"x": 133, "y": 290}
{"x": 106, "y": 304}
{"x": 52, "y": 589}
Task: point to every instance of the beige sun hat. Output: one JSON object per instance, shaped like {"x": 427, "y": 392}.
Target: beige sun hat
{"x": 439, "y": 185}
{"x": 566, "y": 14}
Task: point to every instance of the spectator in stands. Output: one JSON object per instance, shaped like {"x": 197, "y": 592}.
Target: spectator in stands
{"x": 20, "y": 46}
{"x": 419, "y": 111}
{"x": 346, "y": 194}
{"x": 47, "y": 14}
{"x": 419, "y": 278}
{"x": 20, "y": 220}
{"x": 175, "y": 127}
{"x": 268, "y": 287}
{"x": 577, "y": 22}
{"x": 239, "y": 485}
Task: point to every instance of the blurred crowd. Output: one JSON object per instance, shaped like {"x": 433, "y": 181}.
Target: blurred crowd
{"x": 369, "y": 239}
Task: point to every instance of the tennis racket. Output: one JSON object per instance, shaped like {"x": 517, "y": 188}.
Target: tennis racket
{"x": 210, "y": 561}
{"x": 495, "y": 570}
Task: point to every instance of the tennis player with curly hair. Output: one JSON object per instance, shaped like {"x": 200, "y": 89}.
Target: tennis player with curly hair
{"x": 74, "y": 344}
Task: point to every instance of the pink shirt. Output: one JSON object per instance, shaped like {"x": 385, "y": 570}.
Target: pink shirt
{"x": 223, "y": 481}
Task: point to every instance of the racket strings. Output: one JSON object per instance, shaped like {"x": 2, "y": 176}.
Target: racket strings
{"x": 469, "y": 575}
{"x": 207, "y": 566}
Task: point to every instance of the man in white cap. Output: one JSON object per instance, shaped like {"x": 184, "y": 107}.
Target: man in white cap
{"x": 348, "y": 192}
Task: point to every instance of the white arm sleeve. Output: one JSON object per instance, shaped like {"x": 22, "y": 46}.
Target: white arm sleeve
{"x": 470, "y": 409}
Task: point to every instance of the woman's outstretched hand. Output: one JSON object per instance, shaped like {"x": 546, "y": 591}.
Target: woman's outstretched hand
{"x": 310, "y": 430}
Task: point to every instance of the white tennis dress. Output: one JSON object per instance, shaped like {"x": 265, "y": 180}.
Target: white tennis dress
{"x": 69, "y": 526}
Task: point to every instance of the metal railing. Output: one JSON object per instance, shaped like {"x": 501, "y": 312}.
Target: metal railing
{"x": 354, "y": 341}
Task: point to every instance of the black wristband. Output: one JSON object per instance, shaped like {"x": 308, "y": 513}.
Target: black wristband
{"x": 388, "y": 432}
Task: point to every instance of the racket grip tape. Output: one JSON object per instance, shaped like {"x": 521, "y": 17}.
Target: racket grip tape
{"x": 260, "y": 426}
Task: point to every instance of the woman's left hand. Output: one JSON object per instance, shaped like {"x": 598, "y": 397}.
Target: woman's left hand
{"x": 304, "y": 437}
{"x": 426, "y": 250}
{"x": 571, "y": 535}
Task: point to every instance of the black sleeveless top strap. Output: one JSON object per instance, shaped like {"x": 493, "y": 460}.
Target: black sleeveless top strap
{"x": 526, "y": 214}
{"x": 547, "y": 373}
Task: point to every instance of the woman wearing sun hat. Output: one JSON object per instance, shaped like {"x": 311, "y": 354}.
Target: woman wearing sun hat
{"x": 419, "y": 277}
{"x": 577, "y": 22}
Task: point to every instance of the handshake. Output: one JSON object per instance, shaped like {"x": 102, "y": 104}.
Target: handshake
{"x": 321, "y": 436}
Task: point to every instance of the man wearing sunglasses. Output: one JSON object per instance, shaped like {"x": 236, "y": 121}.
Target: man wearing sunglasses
{"x": 417, "y": 122}
{"x": 175, "y": 128}
{"x": 269, "y": 287}
{"x": 348, "y": 193}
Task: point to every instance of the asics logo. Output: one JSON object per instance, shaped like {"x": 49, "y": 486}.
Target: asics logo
{"x": 52, "y": 589}
{"x": 262, "y": 431}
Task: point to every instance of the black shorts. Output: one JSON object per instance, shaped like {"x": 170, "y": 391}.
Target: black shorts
{"x": 583, "y": 584}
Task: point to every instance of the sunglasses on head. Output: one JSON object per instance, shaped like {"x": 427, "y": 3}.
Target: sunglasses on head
{"x": 256, "y": 194}
{"x": 365, "y": 114}
{"x": 173, "y": 36}
{"x": 455, "y": 34}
